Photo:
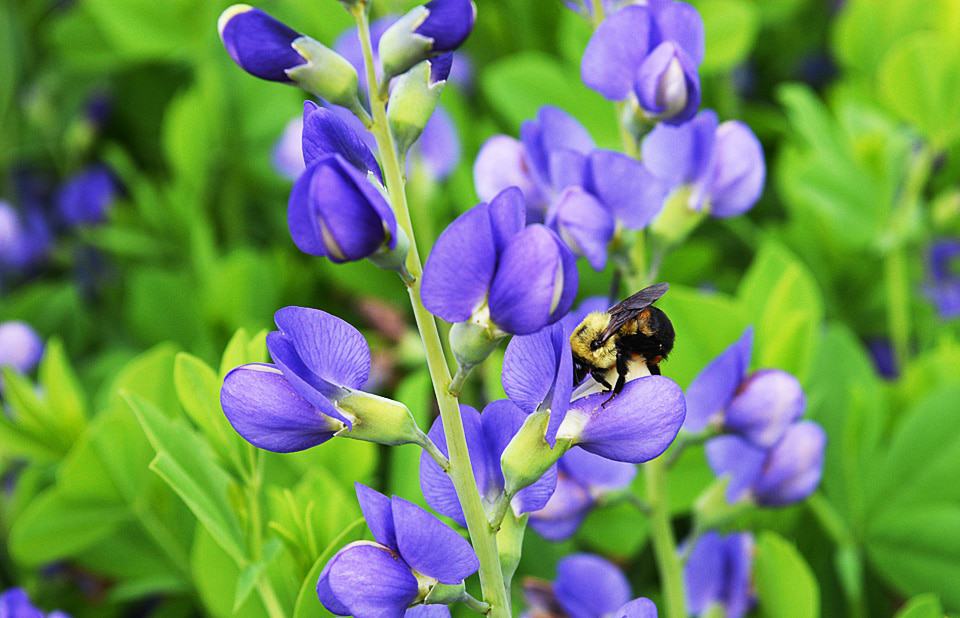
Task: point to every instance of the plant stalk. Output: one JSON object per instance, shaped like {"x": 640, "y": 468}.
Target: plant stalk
{"x": 664, "y": 544}
{"x": 461, "y": 472}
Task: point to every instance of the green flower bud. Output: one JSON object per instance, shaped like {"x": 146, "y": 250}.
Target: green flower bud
{"x": 472, "y": 342}
{"x": 401, "y": 47}
{"x": 326, "y": 74}
{"x": 678, "y": 219}
{"x": 378, "y": 419}
{"x": 394, "y": 259}
{"x": 528, "y": 455}
{"x": 414, "y": 97}
{"x": 510, "y": 543}
{"x": 444, "y": 594}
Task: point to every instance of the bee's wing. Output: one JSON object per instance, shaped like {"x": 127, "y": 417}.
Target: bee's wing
{"x": 628, "y": 308}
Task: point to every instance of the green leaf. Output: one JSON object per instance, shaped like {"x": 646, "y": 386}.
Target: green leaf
{"x": 919, "y": 79}
{"x": 307, "y": 605}
{"x": 922, "y": 606}
{"x": 55, "y": 526}
{"x": 215, "y": 576}
{"x": 782, "y": 301}
{"x": 785, "y": 585}
{"x": 518, "y": 86}
{"x": 731, "y": 28}
{"x": 187, "y": 465}
{"x": 62, "y": 390}
{"x": 618, "y": 531}
{"x": 866, "y": 29}
{"x": 251, "y": 575}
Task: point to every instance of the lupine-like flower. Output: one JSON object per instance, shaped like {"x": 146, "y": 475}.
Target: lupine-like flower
{"x": 488, "y": 267}
{"x": 15, "y": 603}
{"x": 759, "y": 407}
{"x": 717, "y": 574}
{"x": 587, "y": 586}
{"x": 635, "y": 426}
{"x": 944, "y": 286}
{"x": 312, "y": 390}
{"x": 487, "y": 435}
{"x": 87, "y": 196}
{"x": 433, "y": 29}
{"x": 21, "y": 348}
{"x": 787, "y": 472}
{"x": 580, "y": 192}
{"x": 413, "y": 553}
{"x": 582, "y": 480}
{"x": 24, "y": 240}
{"x": 649, "y": 54}
{"x": 269, "y": 49}
{"x": 335, "y": 210}
{"x": 720, "y": 167}
{"x": 287, "y": 157}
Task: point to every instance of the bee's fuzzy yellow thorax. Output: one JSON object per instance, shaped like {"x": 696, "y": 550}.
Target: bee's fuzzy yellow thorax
{"x": 588, "y": 331}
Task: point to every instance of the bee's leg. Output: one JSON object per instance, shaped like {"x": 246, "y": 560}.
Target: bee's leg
{"x": 597, "y": 375}
{"x": 622, "y": 370}
{"x": 654, "y": 369}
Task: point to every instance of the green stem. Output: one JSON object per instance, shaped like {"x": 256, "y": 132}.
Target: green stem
{"x": 475, "y": 604}
{"x": 664, "y": 545}
{"x": 848, "y": 558}
{"x": 269, "y": 597}
{"x": 461, "y": 472}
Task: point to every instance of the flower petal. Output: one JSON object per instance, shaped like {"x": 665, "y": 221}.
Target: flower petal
{"x": 637, "y": 608}
{"x": 308, "y": 385}
{"x": 21, "y": 348}
{"x": 615, "y": 51}
{"x": 588, "y": 586}
{"x": 325, "y": 133}
{"x": 263, "y": 408}
{"x": 563, "y": 513}
{"x": 739, "y": 593}
{"x": 735, "y": 457}
{"x": 626, "y": 187}
{"x": 461, "y": 265}
{"x": 501, "y": 163}
{"x": 325, "y": 594}
{"x": 680, "y": 22}
{"x": 428, "y": 611}
{"x": 767, "y": 402}
{"x": 530, "y": 366}
{"x": 528, "y": 289}
{"x": 597, "y": 473}
{"x": 712, "y": 390}
{"x": 260, "y": 44}
{"x": 330, "y": 347}
{"x": 507, "y": 216}
{"x": 705, "y": 573}
{"x": 371, "y": 581}
{"x": 567, "y": 168}
{"x": 681, "y": 154}
{"x": 448, "y": 23}
{"x": 584, "y": 225}
{"x": 378, "y": 513}
{"x": 636, "y": 425}
{"x": 430, "y": 547}
{"x": 439, "y": 145}
{"x": 739, "y": 171}
{"x": 793, "y": 467}
{"x": 668, "y": 85}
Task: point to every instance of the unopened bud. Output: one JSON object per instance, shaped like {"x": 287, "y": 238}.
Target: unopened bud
{"x": 378, "y": 419}
{"x": 326, "y": 74}
{"x": 528, "y": 455}
{"x": 414, "y": 97}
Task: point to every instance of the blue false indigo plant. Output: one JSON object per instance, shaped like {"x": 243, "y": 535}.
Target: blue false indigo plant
{"x": 507, "y": 268}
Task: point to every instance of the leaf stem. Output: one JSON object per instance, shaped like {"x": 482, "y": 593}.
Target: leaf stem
{"x": 461, "y": 472}
{"x": 664, "y": 544}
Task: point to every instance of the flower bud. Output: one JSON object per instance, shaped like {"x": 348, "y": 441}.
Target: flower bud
{"x": 414, "y": 97}
{"x": 472, "y": 342}
{"x": 766, "y": 404}
{"x": 378, "y": 419}
{"x": 335, "y": 212}
{"x": 269, "y": 49}
{"x": 87, "y": 196}
{"x": 21, "y": 348}
{"x": 528, "y": 455}
{"x": 667, "y": 85}
{"x": 438, "y": 27}
{"x": 444, "y": 594}
{"x": 793, "y": 466}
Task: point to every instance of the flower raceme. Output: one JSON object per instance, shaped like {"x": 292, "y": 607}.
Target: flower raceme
{"x": 311, "y": 392}
{"x": 490, "y": 268}
{"x": 586, "y": 586}
{"x": 717, "y": 575}
{"x": 649, "y": 55}
{"x": 414, "y": 559}
{"x": 433, "y": 29}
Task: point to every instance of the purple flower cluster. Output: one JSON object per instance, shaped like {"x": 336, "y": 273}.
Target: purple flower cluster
{"x": 768, "y": 453}
{"x": 15, "y": 603}
{"x": 586, "y": 586}
{"x": 717, "y": 575}
{"x": 943, "y": 288}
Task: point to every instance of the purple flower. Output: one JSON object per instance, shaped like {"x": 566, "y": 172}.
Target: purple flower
{"x": 582, "y": 479}
{"x": 586, "y": 586}
{"x": 717, "y": 574}
{"x": 721, "y": 165}
{"x": 433, "y": 29}
{"x": 258, "y": 43}
{"x": 438, "y": 148}
{"x": 413, "y": 552}
{"x": 291, "y": 405}
{"x": 21, "y": 348}
{"x": 944, "y": 286}
{"x": 488, "y": 266}
{"x": 24, "y": 240}
{"x": 585, "y": 7}
{"x": 87, "y": 196}
{"x": 883, "y": 357}
{"x": 14, "y": 603}
{"x": 787, "y": 472}
{"x": 650, "y": 53}
{"x": 759, "y": 407}
{"x": 334, "y": 209}
{"x": 287, "y": 155}
{"x": 487, "y": 435}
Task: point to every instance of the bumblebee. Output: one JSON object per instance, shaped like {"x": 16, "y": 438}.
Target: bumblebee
{"x": 631, "y": 330}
